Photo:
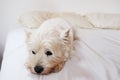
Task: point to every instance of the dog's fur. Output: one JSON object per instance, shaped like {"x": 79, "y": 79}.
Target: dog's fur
{"x": 54, "y": 35}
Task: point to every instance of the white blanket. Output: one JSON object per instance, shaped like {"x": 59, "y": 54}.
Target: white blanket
{"x": 97, "y": 58}
{"x": 34, "y": 19}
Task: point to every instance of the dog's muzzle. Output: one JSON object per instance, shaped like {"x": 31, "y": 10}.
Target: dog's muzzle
{"x": 38, "y": 69}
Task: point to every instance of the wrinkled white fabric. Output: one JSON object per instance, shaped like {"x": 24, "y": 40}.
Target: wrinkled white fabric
{"x": 104, "y": 20}
{"x": 34, "y": 19}
{"x": 97, "y": 57}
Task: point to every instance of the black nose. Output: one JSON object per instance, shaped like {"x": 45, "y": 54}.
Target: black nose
{"x": 38, "y": 69}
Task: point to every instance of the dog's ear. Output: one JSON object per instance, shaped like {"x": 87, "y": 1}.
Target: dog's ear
{"x": 67, "y": 34}
{"x": 28, "y": 32}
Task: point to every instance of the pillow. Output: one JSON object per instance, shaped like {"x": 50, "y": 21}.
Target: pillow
{"x": 108, "y": 21}
{"x": 34, "y": 19}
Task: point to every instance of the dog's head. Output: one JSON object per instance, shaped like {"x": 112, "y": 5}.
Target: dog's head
{"x": 49, "y": 46}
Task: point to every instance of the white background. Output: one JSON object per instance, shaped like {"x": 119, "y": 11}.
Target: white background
{"x": 11, "y": 9}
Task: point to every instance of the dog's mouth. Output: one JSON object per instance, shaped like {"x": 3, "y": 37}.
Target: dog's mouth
{"x": 46, "y": 71}
{"x": 40, "y": 70}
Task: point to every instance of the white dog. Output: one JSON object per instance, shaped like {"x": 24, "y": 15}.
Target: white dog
{"x": 50, "y": 46}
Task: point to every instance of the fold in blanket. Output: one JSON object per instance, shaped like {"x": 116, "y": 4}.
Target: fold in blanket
{"x": 97, "y": 57}
{"x": 34, "y": 19}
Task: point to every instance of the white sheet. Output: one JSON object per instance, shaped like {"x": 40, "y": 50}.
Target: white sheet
{"x": 98, "y": 58}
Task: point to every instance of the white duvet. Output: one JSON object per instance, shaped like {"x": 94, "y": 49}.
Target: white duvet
{"x": 97, "y": 57}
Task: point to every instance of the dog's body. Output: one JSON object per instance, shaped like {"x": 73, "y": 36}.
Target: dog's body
{"x": 54, "y": 42}
{"x": 50, "y": 46}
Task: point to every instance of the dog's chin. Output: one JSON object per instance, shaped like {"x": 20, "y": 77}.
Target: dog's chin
{"x": 52, "y": 70}
{"x": 45, "y": 72}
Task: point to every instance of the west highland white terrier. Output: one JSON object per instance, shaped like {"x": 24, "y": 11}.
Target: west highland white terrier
{"x": 50, "y": 46}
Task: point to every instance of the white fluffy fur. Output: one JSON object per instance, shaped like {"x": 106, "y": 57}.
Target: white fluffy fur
{"x": 55, "y": 35}
{"x": 90, "y": 65}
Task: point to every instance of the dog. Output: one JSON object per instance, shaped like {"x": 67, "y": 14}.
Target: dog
{"x": 50, "y": 46}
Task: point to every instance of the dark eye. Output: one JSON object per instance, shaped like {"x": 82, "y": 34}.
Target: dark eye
{"x": 48, "y": 53}
{"x": 33, "y": 52}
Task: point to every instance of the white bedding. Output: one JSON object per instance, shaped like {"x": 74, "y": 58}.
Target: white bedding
{"x": 98, "y": 58}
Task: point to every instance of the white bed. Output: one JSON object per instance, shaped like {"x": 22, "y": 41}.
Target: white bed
{"x": 100, "y": 48}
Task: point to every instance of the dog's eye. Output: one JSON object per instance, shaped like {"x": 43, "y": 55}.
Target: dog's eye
{"x": 48, "y": 53}
{"x": 33, "y": 52}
